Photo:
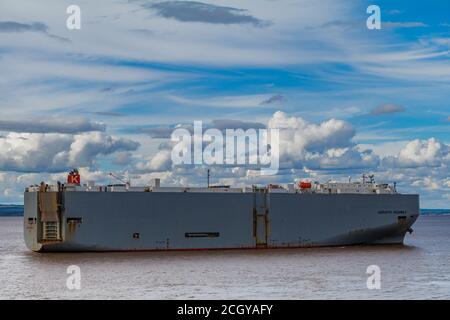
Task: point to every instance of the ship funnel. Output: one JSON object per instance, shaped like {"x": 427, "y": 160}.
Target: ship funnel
{"x": 74, "y": 177}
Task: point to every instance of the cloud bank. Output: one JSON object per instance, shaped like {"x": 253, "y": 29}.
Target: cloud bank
{"x": 55, "y": 125}
{"x": 54, "y": 152}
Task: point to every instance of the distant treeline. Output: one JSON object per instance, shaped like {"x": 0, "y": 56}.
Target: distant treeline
{"x": 11, "y": 210}
{"x": 435, "y": 211}
{"x": 17, "y": 210}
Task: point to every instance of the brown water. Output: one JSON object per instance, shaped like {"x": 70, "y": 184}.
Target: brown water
{"x": 420, "y": 269}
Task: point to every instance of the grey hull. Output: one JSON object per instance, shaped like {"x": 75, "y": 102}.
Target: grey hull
{"x": 116, "y": 221}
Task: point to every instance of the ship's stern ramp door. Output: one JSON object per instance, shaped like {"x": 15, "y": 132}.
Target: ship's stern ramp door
{"x": 260, "y": 216}
{"x": 50, "y": 216}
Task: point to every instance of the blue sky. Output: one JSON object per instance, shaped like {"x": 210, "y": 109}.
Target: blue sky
{"x": 137, "y": 67}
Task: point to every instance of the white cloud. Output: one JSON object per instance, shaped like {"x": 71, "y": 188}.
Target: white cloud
{"x": 86, "y": 147}
{"x": 384, "y": 149}
{"x": 421, "y": 153}
{"x": 123, "y": 158}
{"x": 28, "y": 152}
{"x": 347, "y": 158}
{"x": 432, "y": 183}
{"x": 446, "y": 182}
{"x": 298, "y": 135}
{"x": 161, "y": 161}
{"x": 327, "y": 145}
{"x": 426, "y": 182}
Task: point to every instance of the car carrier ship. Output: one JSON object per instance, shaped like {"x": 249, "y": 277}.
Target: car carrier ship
{"x": 87, "y": 217}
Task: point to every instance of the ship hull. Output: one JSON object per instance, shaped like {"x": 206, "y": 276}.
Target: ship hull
{"x": 153, "y": 221}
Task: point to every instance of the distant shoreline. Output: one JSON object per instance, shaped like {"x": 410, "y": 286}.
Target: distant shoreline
{"x": 11, "y": 210}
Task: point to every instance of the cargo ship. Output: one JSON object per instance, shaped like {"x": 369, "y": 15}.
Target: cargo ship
{"x": 76, "y": 217}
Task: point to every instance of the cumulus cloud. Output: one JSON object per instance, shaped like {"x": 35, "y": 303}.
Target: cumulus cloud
{"x": 327, "y": 145}
{"x": 324, "y": 146}
{"x": 52, "y": 125}
{"x": 52, "y": 152}
{"x": 123, "y": 158}
{"x": 192, "y": 11}
{"x": 426, "y": 182}
{"x": 298, "y": 134}
{"x": 161, "y": 161}
{"x": 387, "y": 108}
{"x": 320, "y": 151}
{"x": 343, "y": 158}
{"x": 421, "y": 153}
{"x": 86, "y": 147}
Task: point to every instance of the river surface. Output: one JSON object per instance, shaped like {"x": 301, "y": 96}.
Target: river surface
{"x": 418, "y": 270}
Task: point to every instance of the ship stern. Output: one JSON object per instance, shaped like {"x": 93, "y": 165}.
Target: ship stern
{"x": 31, "y": 228}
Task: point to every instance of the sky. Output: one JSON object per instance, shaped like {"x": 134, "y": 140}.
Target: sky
{"x": 105, "y": 98}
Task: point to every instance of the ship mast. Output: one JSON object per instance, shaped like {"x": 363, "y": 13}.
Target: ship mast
{"x": 207, "y": 177}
